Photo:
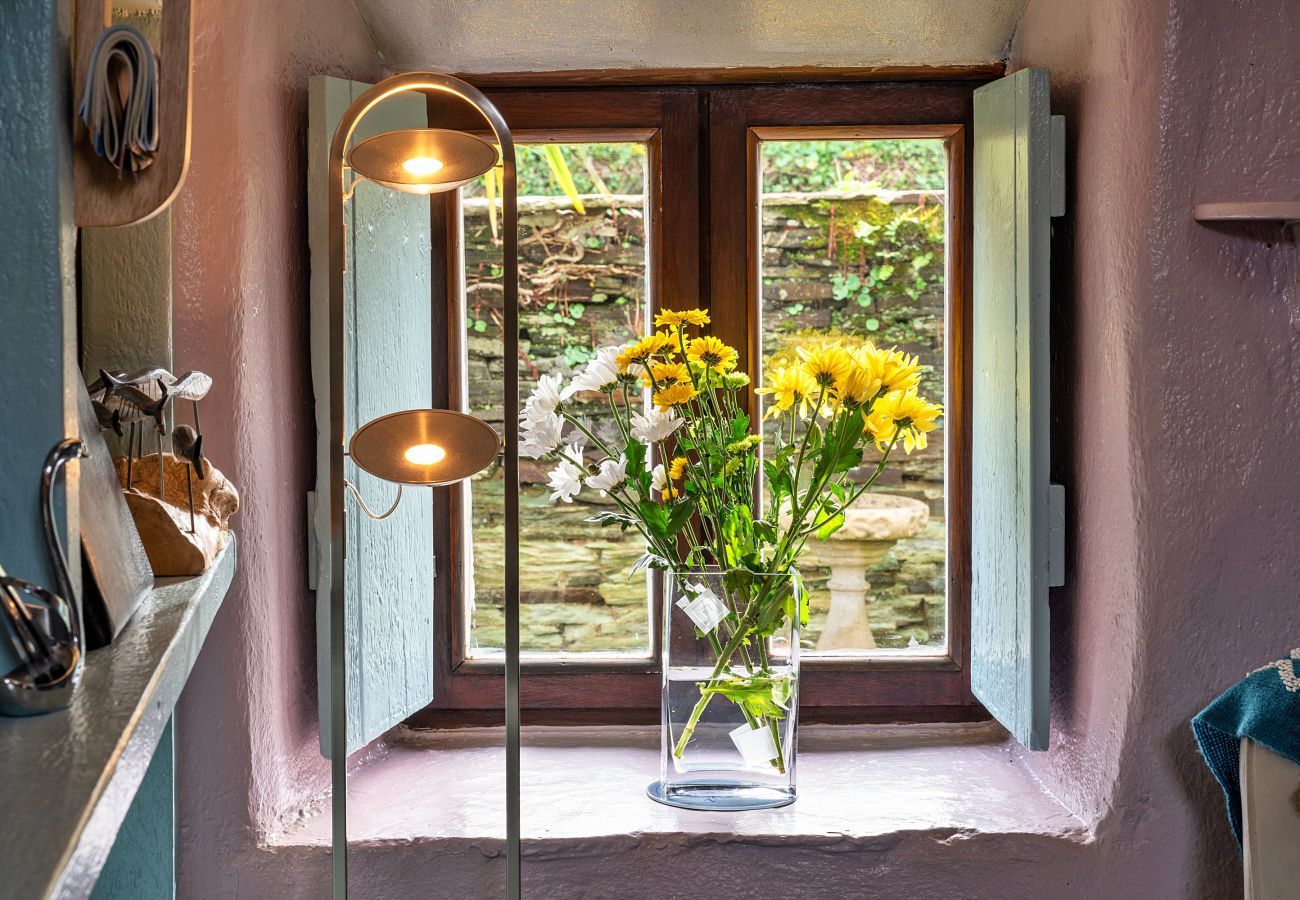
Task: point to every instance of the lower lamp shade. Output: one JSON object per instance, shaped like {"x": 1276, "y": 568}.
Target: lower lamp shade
{"x": 424, "y": 446}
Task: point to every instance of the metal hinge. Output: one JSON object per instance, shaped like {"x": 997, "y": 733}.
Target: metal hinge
{"x": 1055, "y": 535}
{"x": 313, "y": 549}
{"x": 1057, "y": 136}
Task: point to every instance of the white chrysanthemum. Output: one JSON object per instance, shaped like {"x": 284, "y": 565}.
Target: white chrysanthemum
{"x": 566, "y": 481}
{"x": 655, "y": 425}
{"x": 612, "y": 473}
{"x": 599, "y": 374}
{"x": 658, "y": 479}
{"x": 539, "y": 435}
{"x": 545, "y": 397}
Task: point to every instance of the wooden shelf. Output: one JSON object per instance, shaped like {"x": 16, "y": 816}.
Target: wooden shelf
{"x": 70, "y": 776}
{"x": 1248, "y": 211}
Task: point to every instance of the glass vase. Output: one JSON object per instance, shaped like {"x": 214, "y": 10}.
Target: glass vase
{"x": 730, "y": 690}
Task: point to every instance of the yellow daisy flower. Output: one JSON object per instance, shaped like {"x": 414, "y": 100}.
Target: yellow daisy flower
{"x": 678, "y": 468}
{"x": 861, "y": 383}
{"x": 790, "y": 385}
{"x": 675, "y": 395}
{"x": 710, "y": 353}
{"x": 644, "y": 350}
{"x": 905, "y": 410}
{"x": 666, "y": 374}
{"x": 899, "y": 371}
{"x": 828, "y": 365}
{"x": 679, "y": 317}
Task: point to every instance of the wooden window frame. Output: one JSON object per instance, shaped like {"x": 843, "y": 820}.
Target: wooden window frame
{"x": 710, "y": 257}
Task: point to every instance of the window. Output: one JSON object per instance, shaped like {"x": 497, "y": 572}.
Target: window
{"x": 836, "y": 209}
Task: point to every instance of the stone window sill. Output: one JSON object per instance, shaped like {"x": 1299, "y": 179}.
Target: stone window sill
{"x": 440, "y": 794}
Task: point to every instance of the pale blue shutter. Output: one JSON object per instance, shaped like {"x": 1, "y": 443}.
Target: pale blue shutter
{"x": 1017, "y": 517}
{"x": 389, "y": 563}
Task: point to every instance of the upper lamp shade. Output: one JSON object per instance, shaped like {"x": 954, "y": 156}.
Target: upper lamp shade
{"x": 424, "y": 446}
{"x": 422, "y": 160}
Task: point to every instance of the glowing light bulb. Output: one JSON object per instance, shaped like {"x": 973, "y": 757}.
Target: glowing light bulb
{"x": 419, "y": 166}
{"x": 425, "y": 454}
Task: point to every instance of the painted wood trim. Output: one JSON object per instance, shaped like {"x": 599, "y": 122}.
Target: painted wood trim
{"x": 142, "y": 863}
{"x": 102, "y": 198}
{"x": 732, "y": 75}
{"x": 82, "y": 767}
{"x": 1011, "y": 498}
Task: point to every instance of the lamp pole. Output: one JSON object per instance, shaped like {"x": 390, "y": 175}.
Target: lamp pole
{"x": 338, "y": 739}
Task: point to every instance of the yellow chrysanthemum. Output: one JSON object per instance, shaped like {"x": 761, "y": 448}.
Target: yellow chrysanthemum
{"x": 710, "y": 353}
{"x": 679, "y": 317}
{"x": 675, "y": 395}
{"x": 644, "y": 350}
{"x": 666, "y": 374}
{"x": 899, "y": 371}
{"x": 906, "y": 413}
{"x": 828, "y": 365}
{"x": 678, "y": 468}
{"x": 861, "y": 383}
{"x": 789, "y": 385}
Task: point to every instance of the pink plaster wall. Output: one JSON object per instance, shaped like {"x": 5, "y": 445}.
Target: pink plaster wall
{"x": 1177, "y": 429}
{"x": 1179, "y": 450}
{"x": 248, "y": 753}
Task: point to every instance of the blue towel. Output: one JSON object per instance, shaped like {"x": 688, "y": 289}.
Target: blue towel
{"x": 1265, "y": 707}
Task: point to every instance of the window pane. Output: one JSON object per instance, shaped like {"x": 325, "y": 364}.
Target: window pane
{"x": 853, "y": 235}
{"x": 582, "y": 284}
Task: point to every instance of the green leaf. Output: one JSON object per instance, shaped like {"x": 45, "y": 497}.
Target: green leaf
{"x": 680, "y": 515}
{"x": 872, "y": 324}
{"x": 832, "y": 525}
{"x": 655, "y": 518}
{"x": 611, "y": 517}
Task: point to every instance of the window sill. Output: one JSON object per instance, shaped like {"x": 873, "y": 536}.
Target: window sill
{"x": 440, "y": 794}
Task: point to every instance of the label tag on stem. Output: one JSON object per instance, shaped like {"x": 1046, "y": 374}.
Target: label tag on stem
{"x": 756, "y": 745}
{"x": 706, "y": 610}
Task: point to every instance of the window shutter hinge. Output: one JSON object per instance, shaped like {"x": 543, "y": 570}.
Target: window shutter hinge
{"x": 1055, "y": 535}
{"x": 1058, "y": 165}
{"x": 313, "y": 549}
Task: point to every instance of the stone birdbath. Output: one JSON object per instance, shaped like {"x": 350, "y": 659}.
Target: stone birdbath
{"x": 872, "y": 525}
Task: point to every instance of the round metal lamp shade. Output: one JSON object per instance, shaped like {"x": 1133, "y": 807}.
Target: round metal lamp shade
{"x": 422, "y": 160}
{"x": 424, "y": 446}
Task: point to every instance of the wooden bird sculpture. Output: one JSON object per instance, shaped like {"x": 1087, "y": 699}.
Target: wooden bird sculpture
{"x": 189, "y": 444}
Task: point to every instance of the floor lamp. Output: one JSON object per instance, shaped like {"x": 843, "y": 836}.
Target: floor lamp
{"x": 424, "y": 446}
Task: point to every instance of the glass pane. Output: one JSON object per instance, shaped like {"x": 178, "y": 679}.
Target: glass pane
{"x": 582, "y": 284}
{"x": 854, "y": 250}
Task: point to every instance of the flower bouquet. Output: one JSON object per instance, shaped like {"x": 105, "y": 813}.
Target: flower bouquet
{"x": 725, "y": 517}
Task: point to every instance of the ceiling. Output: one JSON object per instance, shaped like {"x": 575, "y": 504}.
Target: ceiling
{"x": 544, "y": 35}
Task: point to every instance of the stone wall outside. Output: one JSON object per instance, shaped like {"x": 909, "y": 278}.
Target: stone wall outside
{"x": 583, "y": 285}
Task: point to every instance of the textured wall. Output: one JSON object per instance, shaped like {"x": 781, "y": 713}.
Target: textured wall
{"x": 1179, "y": 456}
{"x": 1177, "y": 447}
{"x": 37, "y": 304}
{"x": 246, "y": 729}
{"x": 529, "y": 35}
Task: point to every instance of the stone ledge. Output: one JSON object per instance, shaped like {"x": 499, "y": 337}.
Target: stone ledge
{"x": 443, "y": 791}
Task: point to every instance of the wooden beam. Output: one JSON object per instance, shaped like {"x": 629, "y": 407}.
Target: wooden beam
{"x": 735, "y": 75}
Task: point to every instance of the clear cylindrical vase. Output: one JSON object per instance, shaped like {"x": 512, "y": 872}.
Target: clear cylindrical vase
{"x": 730, "y": 690}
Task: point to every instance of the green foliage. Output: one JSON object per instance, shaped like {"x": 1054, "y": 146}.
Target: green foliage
{"x": 854, "y": 164}
{"x": 762, "y": 696}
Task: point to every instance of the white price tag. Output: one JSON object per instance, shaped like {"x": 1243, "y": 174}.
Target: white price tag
{"x": 756, "y": 745}
{"x": 706, "y": 610}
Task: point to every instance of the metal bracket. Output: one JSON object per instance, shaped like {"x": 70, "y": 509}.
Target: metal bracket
{"x": 1055, "y": 535}
{"x": 1057, "y": 130}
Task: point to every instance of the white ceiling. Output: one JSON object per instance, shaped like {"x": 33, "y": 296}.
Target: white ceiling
{"x": 543, "y": 35}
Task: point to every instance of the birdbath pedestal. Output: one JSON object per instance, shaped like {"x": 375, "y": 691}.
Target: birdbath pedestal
{"x": 872, "y": 525}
